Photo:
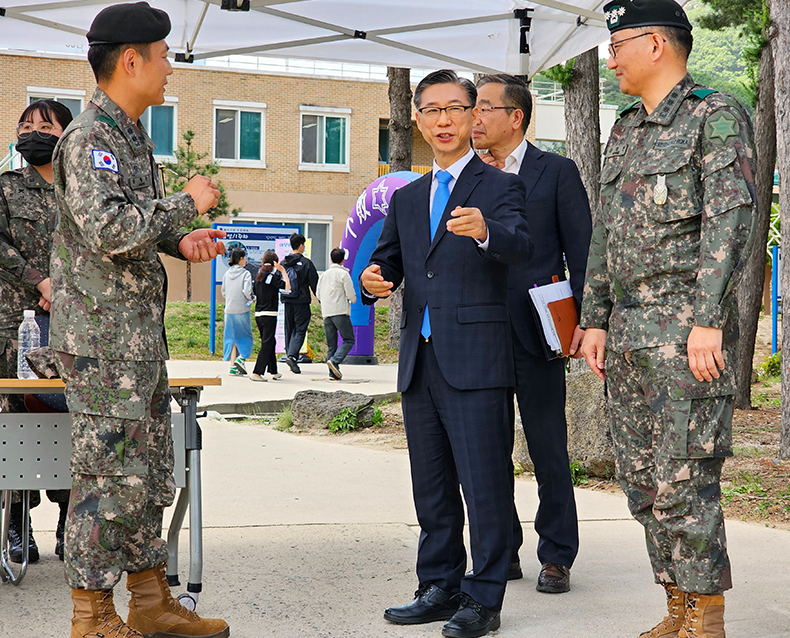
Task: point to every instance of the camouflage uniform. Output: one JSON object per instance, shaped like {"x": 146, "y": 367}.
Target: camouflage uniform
{"x": 661, "y": 262}
{"x": 108, "y": 301}
{"x": 28, "y": 214}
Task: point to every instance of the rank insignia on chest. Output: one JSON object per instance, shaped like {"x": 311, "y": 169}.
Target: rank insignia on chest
{"x": 660, "y": 191}
{"x": 104, "y": 160}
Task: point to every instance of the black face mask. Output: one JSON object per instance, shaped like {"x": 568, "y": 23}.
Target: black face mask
{"x": 37, "y": 147}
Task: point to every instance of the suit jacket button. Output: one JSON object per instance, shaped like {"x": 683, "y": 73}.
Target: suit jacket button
{"x": 429, "y": 274}
{"x": 419, "y": 308}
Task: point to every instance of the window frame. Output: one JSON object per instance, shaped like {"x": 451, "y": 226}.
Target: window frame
{"x": 250, "y": 107}
{"x": 49, "y": 93}
{"x": 320, "y": 111}
{"x": 170, "y": 101}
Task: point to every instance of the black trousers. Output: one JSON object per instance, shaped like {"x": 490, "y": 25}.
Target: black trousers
{"x": 460, "y": 437}
{"x": 267, "y": 360}
{"x": 540, "y": 390}
{"x": 297, "y": 319}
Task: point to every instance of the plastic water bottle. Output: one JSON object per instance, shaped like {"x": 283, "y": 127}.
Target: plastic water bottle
{"x": 29, "y": 339}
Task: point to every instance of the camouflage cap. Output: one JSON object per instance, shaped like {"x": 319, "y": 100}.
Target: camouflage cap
{"x": 628, "y": 14}
{"x": 129, "y": 23}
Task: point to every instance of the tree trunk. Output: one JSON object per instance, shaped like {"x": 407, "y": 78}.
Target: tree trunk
{"x": 779, "y": 36}
{"x": 400, "y": 130}
{"x": 750, "y": 290}
{"x": 583, "y": 134}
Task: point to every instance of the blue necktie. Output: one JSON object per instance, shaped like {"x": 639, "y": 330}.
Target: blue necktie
{"x": 440, "y": 199}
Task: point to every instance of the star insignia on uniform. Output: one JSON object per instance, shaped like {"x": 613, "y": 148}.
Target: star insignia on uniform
{"x": 723, "y": 127}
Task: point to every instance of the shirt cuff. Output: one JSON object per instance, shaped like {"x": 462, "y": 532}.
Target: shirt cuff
{"x": 483, "y": 245}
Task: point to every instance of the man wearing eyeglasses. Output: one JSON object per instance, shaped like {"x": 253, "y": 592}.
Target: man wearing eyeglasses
{"x": 660, "y": 307}
{"x": 560, "y": 225}
{"x": 452, "y": 236}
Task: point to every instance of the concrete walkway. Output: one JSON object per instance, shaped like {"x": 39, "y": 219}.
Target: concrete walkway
{"x": 307, "y": 537}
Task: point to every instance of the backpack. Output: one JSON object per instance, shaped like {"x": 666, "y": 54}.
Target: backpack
{"x": 293, "y": 277}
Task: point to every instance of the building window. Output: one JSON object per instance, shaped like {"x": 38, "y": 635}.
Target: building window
{"x": 324, "y": 139}
{"x": 72, "y": 99}
{"x": 239, "y": 134}
{"x": 160, "y": 124}
{"x": 551, "y": 146}
{"x": 384, "y": 143}
{"x": 319, "y": 233}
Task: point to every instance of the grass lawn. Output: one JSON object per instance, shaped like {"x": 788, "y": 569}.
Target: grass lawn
{"x": 188, "y": 332}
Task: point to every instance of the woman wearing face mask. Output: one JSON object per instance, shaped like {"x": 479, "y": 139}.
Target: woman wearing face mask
{"x": 28, "y": 214}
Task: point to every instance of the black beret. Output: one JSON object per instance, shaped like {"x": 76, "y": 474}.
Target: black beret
{"x": 627, "y": 14}
{"x": 129, "y": 24}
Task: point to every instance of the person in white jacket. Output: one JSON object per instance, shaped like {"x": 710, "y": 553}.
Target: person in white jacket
{"x": 335, "y": 291}
{"x": 237, "y": 291}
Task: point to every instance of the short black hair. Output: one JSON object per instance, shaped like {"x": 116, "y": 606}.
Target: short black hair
{"x": 515, "y": 94}
{"x": 103, "y": 58}
{"x": 297, "y": 239}
{"x": 50, "y": 111}
{"x": 338, "y": 255}
{"x": 680, "y": 39}
{"x": 444, "y": 76}
{"x": 236, "y": 254}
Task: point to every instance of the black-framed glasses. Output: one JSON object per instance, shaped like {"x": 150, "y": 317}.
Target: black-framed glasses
{"x": 487, "y": 110}
{"x": 613, "y": 45}
{"x": 433, "y": 112}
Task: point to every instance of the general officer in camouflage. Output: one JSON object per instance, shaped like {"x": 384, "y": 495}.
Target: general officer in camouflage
{"x": 673, "y": 234}
{"x": 108, "y": 302}
{"x": 28, "y": 214}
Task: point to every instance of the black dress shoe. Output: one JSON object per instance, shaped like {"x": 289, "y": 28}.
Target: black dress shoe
{"x": 429, "y": 605}
{"x": 554, "y": 579}
{"x": 471, "y": 620}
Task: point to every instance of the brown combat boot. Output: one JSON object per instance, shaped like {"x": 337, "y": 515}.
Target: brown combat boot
{"x": 95, "y": 616}
{"x": 154, "y": 612}
{"x": 676, "y": 613}
{"x": 704, "y": 617}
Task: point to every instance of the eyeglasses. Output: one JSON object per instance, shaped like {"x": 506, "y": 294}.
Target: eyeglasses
{"x": 483, "y": 111}
{"x": 433, "y": 112}
{"x": 613, "y": 46}
{"x": 23, "y": 128}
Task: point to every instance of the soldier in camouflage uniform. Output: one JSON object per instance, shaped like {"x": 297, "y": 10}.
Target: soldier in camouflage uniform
{"x": 108, "y": 301}
{"x": 28, "y": 214}
{"x": 673, "y": 234}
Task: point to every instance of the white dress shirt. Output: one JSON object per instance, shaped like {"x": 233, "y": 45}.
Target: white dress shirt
{"x": 516, "y": 158}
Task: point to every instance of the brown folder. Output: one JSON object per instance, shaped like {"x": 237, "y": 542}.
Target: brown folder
{"x": 566, "y": 318}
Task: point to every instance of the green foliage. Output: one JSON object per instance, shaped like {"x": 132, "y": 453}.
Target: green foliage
{"x": 378, "y": 418}
{"x": 578, "y": 474}
{"x": 188, "y": 164}
{"x": 285, "y": 420}
{"x": 772, "y": 368}
{"x": 518, "y": 469}
{"x": 346, "y": 421}
{"x": 562, "y": 74}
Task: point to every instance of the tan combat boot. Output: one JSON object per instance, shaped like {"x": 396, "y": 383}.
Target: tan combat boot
{"x": 676, "y": 612}
{"x": 95, "y": 616}
{"x": 704, "y": 617}
{"x": 153, "y": 610}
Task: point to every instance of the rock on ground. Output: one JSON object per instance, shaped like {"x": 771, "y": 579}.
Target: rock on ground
{"x": 314, "y": 410}
{"x": 589, "y": 438}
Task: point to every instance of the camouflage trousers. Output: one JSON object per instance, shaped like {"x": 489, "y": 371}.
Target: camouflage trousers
{"x": 670, "y": 434}
{"x": 122, "y": 467}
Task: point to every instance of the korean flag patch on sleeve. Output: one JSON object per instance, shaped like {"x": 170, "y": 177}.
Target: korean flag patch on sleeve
{"x": 104, "y": 160}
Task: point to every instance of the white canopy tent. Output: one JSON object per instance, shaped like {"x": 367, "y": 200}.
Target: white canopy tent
{"x": 488, "y": 36}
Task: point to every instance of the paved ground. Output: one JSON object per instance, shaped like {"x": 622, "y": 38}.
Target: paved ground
{"x": 305, "y": 537}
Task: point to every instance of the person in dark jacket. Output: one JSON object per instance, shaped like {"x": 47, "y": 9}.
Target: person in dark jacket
{"x": 271, "y": 278}
{"x": 297, "y": 308}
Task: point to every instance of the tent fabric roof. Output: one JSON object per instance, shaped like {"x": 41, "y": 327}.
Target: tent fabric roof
{"x": 469, "y": 35}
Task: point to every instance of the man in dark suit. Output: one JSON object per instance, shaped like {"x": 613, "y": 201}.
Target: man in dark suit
{"x": 452, "y": 235}
{"x": 560, "y": 226}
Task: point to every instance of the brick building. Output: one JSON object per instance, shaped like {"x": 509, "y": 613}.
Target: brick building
{"x": 295, "y": 148}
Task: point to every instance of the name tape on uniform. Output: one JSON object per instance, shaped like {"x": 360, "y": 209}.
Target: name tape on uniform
{"x": 104, "y": 160}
